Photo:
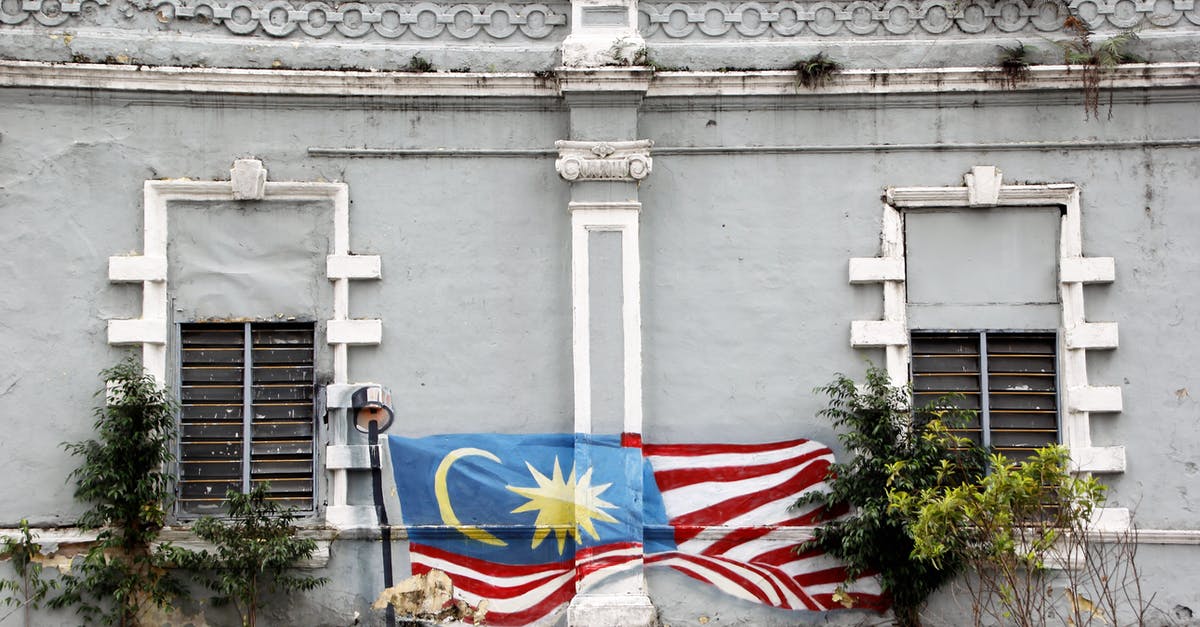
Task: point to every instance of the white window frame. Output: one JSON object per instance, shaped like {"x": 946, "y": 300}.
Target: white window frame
{"x": 247, "y": 181}
{"x": 983, "y": 188}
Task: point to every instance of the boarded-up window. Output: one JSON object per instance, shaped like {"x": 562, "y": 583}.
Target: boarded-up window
{"x": 246, "y": 396}
{"x": 1010, "y": 381}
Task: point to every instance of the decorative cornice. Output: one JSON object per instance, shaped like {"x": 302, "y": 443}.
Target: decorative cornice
{"x": 603, "y": 161}
{"x": 272, "y": 82}
{"x": 132, "y": 78}
{"x": 919, "y": 81}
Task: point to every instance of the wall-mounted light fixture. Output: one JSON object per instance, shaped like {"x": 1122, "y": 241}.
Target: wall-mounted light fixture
{"x": 372, "y": 403}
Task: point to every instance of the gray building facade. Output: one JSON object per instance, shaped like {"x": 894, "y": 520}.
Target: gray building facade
{"x": 596, "y": 218}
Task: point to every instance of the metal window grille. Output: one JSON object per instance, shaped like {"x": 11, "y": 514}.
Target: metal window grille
{"x": 247, "y": 414}
{"x": 1009, "y": 379}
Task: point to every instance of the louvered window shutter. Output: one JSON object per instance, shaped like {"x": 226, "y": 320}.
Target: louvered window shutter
{"x": 1008, "y": 379}
{"x": 246, "y": 395}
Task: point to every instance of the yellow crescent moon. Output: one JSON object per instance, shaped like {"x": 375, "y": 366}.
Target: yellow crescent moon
{"x": 443, "y": 496}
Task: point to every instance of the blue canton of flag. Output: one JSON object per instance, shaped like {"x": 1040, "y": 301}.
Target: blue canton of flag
{"x": 512, "y": 498}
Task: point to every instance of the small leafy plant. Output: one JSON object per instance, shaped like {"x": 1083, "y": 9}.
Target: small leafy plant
{"x": 624, "y": 53}
{"x": 1095, "y": 58}
{"x": 816, "y": 71}
{"x": 124, "y": 478}
{"x": 256, "y": 553}
{"x": 28, "y": 590}
{"x": 1014, "y": 63}
{"x": 418, "y": 63}
{"x": 1013, "y": 527}
{"x": 891, "y": 446}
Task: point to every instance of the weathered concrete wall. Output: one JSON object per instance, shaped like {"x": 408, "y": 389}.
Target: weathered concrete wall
{"x": 746, "y": 305}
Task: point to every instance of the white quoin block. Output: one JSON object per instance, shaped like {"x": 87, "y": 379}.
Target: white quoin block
{"x": 137, "y": 332}
{"x": 360, "y": 332}
{"x": 864, "y": 333}
{"x": 876, "y": 269}
{"x": 351, "y": 517}
{"x": 353, "y": 267}
{"x": 1111, "y": 520}
{"x": 347, "y": 456}
{"x": 137, "y": 268}
{"x": 1087, "y": 270}
{"x": 1093, "y": 335}
{"x": 1098, "y": 459}
{"x": 1096, "y": 398}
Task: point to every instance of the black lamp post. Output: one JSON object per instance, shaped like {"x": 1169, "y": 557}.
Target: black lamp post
{"x": 372, "y": 413}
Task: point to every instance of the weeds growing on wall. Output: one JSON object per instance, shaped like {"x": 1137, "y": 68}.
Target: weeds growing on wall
{"x": 419, "y": 64}
{"x": 1014, "y": 63}
{"x": 27, "y": 590}
{"x": 256, "y": 553}
{"x": 124, "y": 480}
{"x": 816, "y": 71}
{"x": 1095, "y": 58}
{"x": 890, "y": 445}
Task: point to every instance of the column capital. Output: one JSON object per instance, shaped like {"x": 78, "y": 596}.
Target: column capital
{"x": 604, "y": 160}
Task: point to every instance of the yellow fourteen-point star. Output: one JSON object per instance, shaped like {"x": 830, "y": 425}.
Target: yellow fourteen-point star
{"x": 554, "y": 501}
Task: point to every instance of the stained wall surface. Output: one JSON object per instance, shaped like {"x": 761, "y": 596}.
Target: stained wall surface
{"x": 746, "y": 305}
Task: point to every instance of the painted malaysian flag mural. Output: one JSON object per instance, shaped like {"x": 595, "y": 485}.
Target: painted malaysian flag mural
{"x": 524, "y": 521}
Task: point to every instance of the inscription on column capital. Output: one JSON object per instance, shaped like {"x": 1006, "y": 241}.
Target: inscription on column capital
{"x": 603, "y": 160}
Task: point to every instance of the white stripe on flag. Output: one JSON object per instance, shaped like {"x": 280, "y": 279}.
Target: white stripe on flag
{"x": 497, "y": 580}
{"x": 517, "y": 603}
{"x": 746, "y": 576}
{"x": 687, "y": 499}
{"x": 661, "y": 463}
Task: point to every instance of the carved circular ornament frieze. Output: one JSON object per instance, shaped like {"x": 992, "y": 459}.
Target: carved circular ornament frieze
{"x": 390, "y": 20}
{"x": 827, "y": 18}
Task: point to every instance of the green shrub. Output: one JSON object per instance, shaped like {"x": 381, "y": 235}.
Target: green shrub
{"x": 28, "y": 590}
{"x": 890, "y": 446}
{"x": 256, "y": 552}
{"x": 124, "y": 477}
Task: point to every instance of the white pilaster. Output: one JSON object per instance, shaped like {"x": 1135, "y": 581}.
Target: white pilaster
{"x": 612, "y": 595}
{"x": 621, "y": 217}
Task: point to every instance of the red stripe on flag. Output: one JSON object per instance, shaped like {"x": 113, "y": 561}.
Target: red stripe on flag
{"x": 821, "y": 577}
{"x": 793, "y": 585}
{"x": 594, "y": 559}
{"x": 785, "y": 554}
{"x": 740, "y": 535}
{"x": 487, "y": 589}
{"x": 588, "y": 561}
{"x": 492, "y": 568}
{"x": 555, "y": 598}
{"x": 736, "y": 537}
{"x": 593, "y": 551}
{"x": 731, "y": 508}
{"x": 677, "y": 478}
{"x": 710, "y": 564}
{"x": 695, "y": 450}
{"x": 762, "y": 572}
{"x": 631, "y": 440}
